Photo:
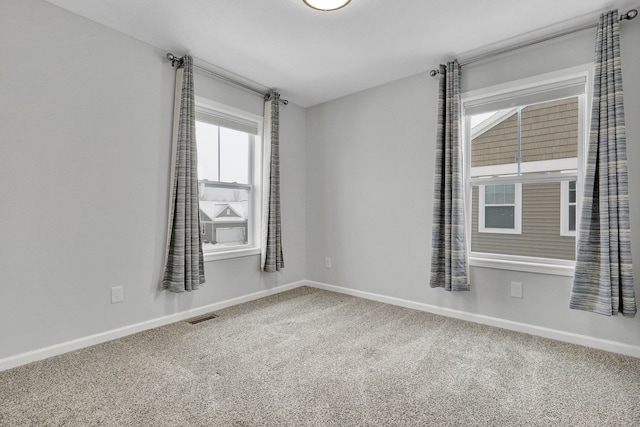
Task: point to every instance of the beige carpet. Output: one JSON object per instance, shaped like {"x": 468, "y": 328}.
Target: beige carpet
{"x": 308, "y": 357}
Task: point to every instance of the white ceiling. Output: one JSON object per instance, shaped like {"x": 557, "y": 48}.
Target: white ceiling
{"x": 312, "y": 56}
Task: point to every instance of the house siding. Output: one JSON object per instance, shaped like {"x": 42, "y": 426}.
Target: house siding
{"x": 540, "y": 227}
{"x": 550, "y": 130}
{"x": 498, "y": 145}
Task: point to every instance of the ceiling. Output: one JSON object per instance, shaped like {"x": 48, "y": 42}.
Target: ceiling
{"x": 311, "y": 56}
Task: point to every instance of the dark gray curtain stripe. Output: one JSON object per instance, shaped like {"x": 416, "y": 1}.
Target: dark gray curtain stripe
{"x": 449, "y": 253}
{"x": 184, "y": 266}
{"x": 603, "y": 280}
{"x": 274, "y": 260}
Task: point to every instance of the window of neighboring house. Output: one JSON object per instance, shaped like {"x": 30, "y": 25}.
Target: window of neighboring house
{"x": 568, "y": 198}
{"x": 500, "y": 208}
{"x": 523, "y": 169}
{"x": 228, "y": 172}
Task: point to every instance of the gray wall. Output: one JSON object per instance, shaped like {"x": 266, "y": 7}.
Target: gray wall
{"x": 85, "y": 128}
{"x": 370, "y": 189}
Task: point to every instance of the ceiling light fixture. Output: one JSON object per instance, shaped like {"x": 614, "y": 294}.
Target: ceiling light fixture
{"x": 326, "y": 5}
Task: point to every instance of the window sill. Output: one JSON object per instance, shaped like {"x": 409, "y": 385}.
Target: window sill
{"x": 552, "y": 267}
{"x": 234, "y": 253}
{"x": 499, "y": 231}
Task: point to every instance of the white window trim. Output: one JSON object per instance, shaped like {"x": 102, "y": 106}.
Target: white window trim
{"x": 253, "y": 247}
{"x": 564, "y": 210}
{"x": 520, "y": 263}
{"x": 526, "y": 167}
{"x": 551, "y": 266}
{"x": 517, "y": 214}
{"x": 235, "y": 252}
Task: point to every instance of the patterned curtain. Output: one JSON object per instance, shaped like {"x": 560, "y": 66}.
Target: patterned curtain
{"x": 449, "y": 253}
{"x": 603, "y": 281}
{"x": 184, "y": 264}
{"x": 272, "y": 259}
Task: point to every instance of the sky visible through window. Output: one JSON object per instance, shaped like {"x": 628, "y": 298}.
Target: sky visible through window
{"x": 479, "y": 118}
{"x": 223, "y": 154}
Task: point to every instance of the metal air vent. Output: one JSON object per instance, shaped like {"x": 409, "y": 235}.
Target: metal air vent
{"x": 203, "y": 318}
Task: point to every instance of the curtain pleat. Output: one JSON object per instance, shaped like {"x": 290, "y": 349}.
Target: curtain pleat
{"x": 184, "y": 262}
{"x": 449, "y": 254}
{"x": 272, "y": 259}
{"x": 603, "y": 280}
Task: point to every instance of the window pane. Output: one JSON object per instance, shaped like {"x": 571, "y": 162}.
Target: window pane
{"x": 499, "y": 217}
{"x": 572, "y": 191}
{"x": 489, "y": 194}
{"x": 207, "y": 141}
{"x": 494, "y": 142}
{"x": 550, "y": 132}
{"x": 224, "y": 216}
{"x": 510, "y": 194}
{"x": 500, "y": 194}
{"x": 234, "y": 156}
{"x": 572, "y": 218}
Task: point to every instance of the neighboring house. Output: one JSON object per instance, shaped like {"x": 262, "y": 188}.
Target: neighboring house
{"x": 216, "y": 216}
{"x": 528, "y": 219}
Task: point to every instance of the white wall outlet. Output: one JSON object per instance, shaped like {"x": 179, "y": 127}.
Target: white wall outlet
{"x": 117, "y": 294}
{"x": 516, "y": 289}
{"x": 327, "y": 263}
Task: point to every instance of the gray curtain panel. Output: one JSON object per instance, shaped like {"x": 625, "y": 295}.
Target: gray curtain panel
{"x": 603, "y": 280}
{"x": 449, "y": 253}
{"x": 184, "y": 263}
{"x": 272, "y": 259}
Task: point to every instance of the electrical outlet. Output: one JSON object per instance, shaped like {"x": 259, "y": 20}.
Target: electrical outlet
{"x": 327, "y": 263}
{"x": 117, "y": 294}
{"x": 516, "y": 289}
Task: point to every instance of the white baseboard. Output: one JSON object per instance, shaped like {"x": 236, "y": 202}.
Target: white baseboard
{"x": 584, "y": 340}
{"x": 65, "y": 347}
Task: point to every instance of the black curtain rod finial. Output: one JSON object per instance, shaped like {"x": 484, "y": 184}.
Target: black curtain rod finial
{"x": 629, "y": 15}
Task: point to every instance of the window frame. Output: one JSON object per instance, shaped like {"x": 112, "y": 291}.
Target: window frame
{"x": 541, "y": 88}
{"x": 206, "y": 106}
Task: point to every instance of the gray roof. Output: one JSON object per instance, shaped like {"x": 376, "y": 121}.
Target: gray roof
{"x": 211, "y": 209}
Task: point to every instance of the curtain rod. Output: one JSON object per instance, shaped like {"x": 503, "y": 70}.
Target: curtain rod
{"x": 625, "y": 16}
{"x": 173, "y": 59}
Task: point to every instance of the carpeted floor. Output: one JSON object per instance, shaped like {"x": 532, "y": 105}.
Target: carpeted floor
{"x": 308, "y": 357}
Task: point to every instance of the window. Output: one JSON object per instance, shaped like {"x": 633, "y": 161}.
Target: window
{"x": 228, "y": 171}
{"x": 568, "y": 208}
{"x": 500, "y": 208}
{"x": 523, "y": 169}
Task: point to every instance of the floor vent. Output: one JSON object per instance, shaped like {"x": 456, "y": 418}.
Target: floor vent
{"x": 202, "y": 318}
